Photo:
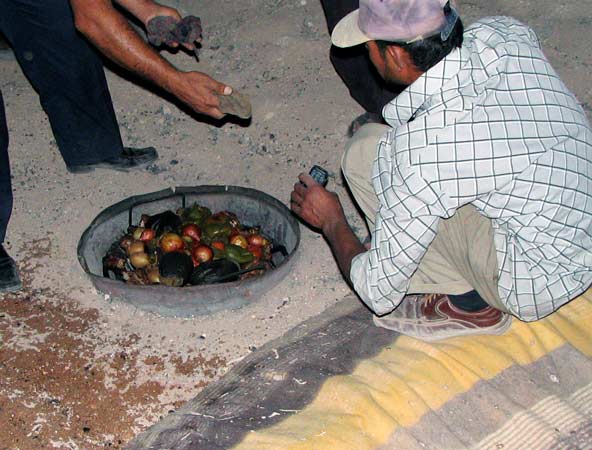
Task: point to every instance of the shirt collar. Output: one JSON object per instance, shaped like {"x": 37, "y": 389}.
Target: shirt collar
{"x": 403, "y": 107}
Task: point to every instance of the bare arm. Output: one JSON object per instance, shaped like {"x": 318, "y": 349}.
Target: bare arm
{"x": 108, "y": 30}
{"x": 322, "y": 209}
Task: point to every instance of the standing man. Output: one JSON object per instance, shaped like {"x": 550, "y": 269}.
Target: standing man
{"x": 355, "y": 69}
{"x": 48, "y": 38}
{"x": 478, "y": 193}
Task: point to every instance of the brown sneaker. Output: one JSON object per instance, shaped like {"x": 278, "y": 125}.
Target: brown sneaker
{"x": 431, "y": 317}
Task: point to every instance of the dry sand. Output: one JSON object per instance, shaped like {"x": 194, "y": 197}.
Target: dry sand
{"x": 81, "y": 371}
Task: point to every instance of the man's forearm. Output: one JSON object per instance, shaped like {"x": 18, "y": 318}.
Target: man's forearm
{"x": 111, "y": 33}
{"x": 344, "y": 244}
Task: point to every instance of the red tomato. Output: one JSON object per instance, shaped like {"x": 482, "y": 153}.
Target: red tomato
{"x": 147, "y": 235}
{"x": 219, "y": 245}
{"x": 257, "y": 240}
{"x": 256, "y": 251}
{"x": 192, "y": 231}
{"x": 171, "y": 242}
{"x": 202, "y": 253}
{"x": 239, "y": 240}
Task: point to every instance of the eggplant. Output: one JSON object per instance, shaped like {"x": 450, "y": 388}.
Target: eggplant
{"x": 164, "y": 222}
{"x": 175, "y": 268}
{"x": 216, "y": 271}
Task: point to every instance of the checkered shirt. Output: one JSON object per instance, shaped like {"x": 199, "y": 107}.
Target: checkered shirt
{"x": 491, "y": 125}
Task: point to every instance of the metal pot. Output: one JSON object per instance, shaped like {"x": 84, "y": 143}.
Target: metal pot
{"x": 253, "y": 207}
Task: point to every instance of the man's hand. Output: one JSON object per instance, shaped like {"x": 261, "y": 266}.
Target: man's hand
{"x": 322, "y": 209}
{"x": 146, "y": 10}
{"x": 200, "y": 91}
{"x": 156, "y": 10}
{"x": 314, "y": 204}
{"x": 108, "y": 30}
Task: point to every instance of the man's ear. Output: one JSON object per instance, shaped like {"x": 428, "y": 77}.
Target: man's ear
{"x": 397, "y": 56}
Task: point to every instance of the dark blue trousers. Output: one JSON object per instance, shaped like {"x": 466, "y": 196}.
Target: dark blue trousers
{"x": 68, "y": 75}
{"x": 354, "y": 66}
{"x": 5, "y": 189}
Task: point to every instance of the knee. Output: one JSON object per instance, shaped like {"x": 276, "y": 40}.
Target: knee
{"x": 360, "y": 150}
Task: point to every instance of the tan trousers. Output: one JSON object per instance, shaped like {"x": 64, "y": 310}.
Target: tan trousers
{"x": 461, "y": 257}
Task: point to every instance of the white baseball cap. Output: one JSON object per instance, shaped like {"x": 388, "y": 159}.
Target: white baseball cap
{"x": 395, "y": 21}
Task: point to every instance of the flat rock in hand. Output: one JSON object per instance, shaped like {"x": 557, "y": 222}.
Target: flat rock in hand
{"x": 236, "y": 104}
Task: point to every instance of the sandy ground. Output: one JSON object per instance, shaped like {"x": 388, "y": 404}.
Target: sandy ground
{"x": 81, "y": 371}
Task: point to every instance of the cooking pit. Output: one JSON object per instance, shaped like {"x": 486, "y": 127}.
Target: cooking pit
{"x": 250, "y": 205}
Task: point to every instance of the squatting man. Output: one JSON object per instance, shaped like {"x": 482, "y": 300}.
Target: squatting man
{"x": 477, "y": 193}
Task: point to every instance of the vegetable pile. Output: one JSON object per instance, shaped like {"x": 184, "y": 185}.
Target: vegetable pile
{"x": 189, "y": 247}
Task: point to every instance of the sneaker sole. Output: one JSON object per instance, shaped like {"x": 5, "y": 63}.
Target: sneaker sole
{"x": 10, "y": 289}
{"x": 495, "y": 330}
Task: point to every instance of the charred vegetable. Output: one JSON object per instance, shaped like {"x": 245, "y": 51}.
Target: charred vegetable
{"x": 219, "y": 271}
{"x": 163, "y": 222}
{"x": 114, "y": 262}
{"x": 169, "y": 249}
{"x": 175, "y": 268}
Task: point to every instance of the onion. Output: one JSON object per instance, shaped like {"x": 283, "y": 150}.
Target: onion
{"x": 137, "y": 233}
{"x": 153, "y": 275}
{"x": 136, "y": 247}
{"x": 139, "y": 260}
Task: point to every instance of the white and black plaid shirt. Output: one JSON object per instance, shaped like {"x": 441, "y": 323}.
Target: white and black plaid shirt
{"x": 491, "y": 125}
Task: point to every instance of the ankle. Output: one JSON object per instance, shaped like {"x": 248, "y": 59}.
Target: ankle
{"x": 468, "y": 302}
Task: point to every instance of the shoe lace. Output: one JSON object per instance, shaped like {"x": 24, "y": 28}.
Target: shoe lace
{"x": 430, "y": 299}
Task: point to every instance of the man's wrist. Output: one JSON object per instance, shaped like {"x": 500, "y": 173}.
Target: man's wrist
{"x": 331, "y": 226}
{"x": 172, "y": 79}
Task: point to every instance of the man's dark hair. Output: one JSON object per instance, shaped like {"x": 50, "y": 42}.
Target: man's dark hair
{"x": 428, "y": 52}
